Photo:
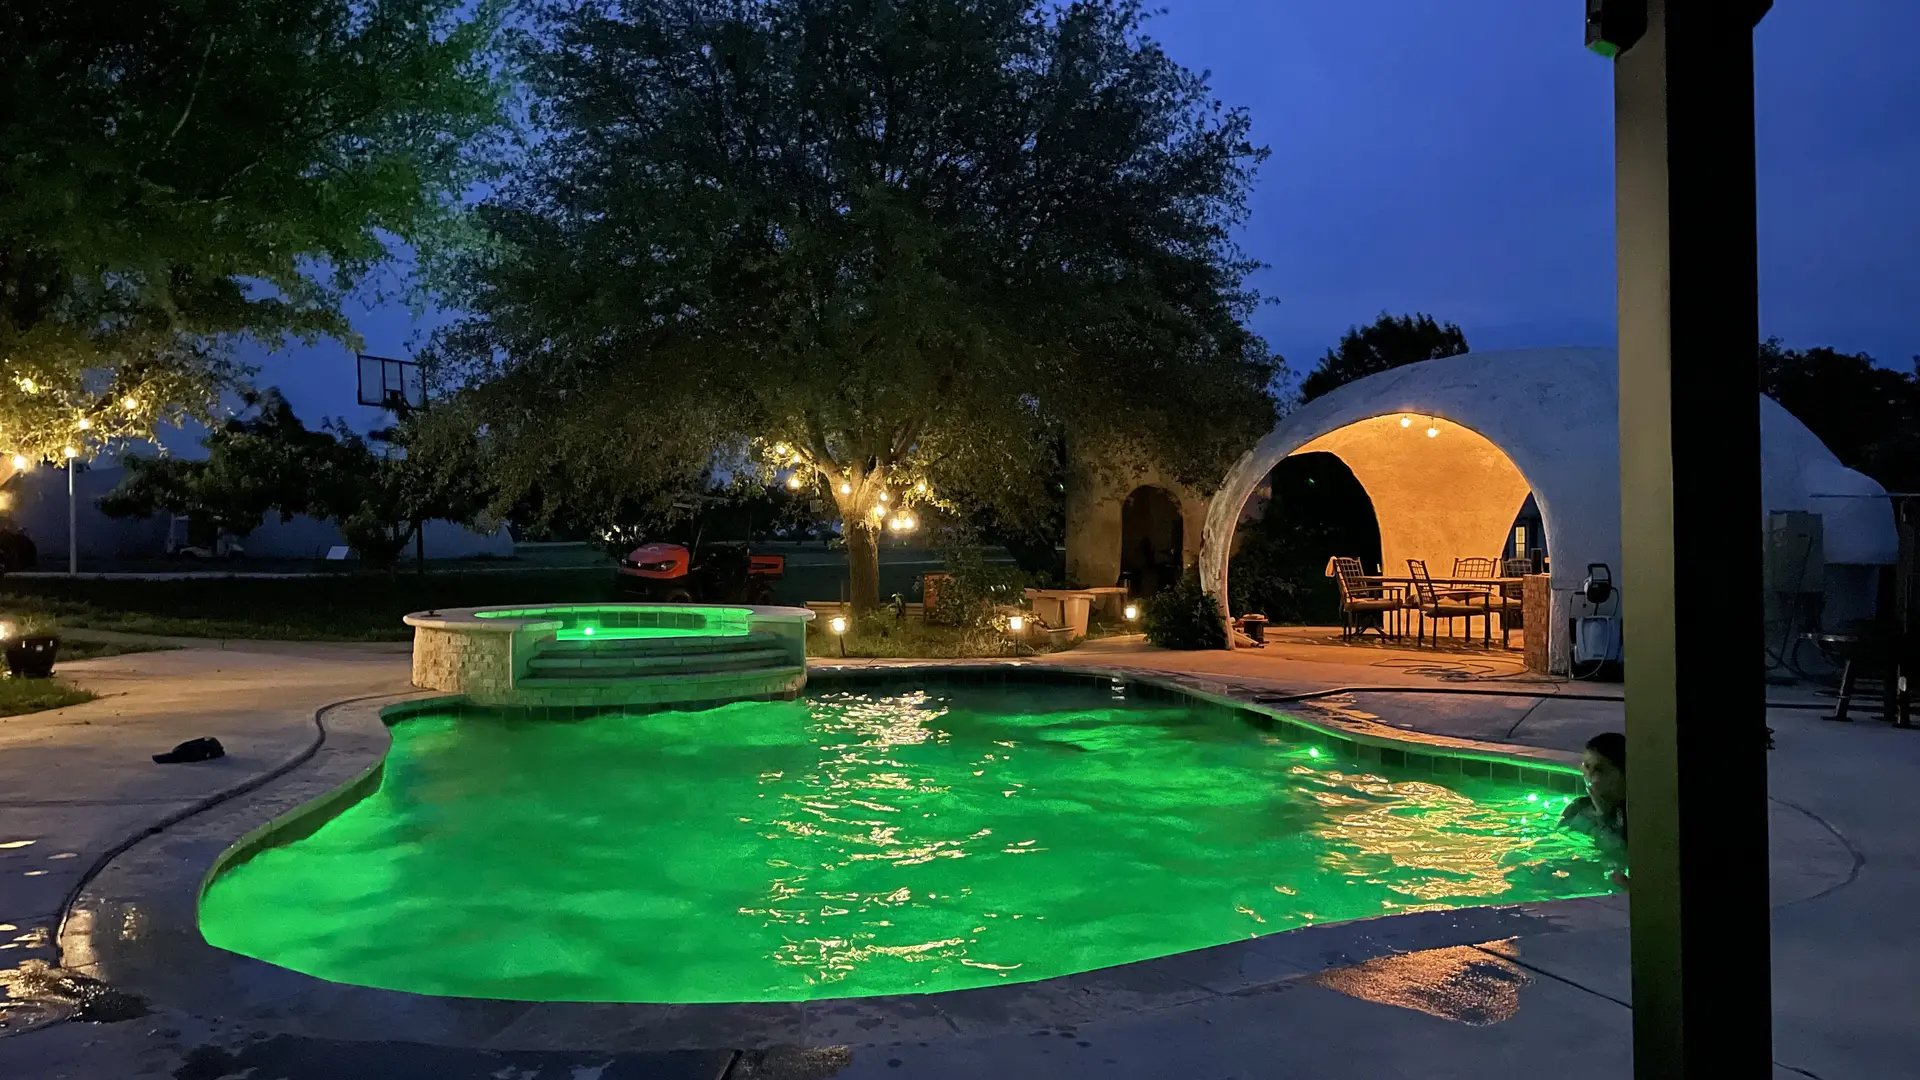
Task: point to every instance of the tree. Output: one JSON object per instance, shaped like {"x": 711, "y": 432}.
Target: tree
{"x": 1868, "y": 415}
{"x": 1391, "y": 341}
{"x": 899, "y": 248}
{"x": 175, "y": 175}
{"x": 266, "y": 461}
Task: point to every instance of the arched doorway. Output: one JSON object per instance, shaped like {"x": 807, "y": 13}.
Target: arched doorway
{"x": 1310, "y": 509}
{"x": 1150, "y": 540}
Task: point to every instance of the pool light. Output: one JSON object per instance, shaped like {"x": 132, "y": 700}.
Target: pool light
{"x": 1313, "y": 751}
{"x": 587, "y": 630}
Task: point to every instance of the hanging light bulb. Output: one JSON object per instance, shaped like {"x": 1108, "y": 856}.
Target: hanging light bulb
{"x": 129, "y": 403}
{"x": 920, "y": 488}
{"x": 846, "y": 488}
{"x": 28, "y": 385}
{"x": 1406, "y": 421}
{"x": 1433, "y": 431}
{"x": 71, "y": 452}
{"x": 879, "y": 511}
{"x": 883, "y": 496}
{"x": 20, "y": 461}
{"x": 780, "y": 449}
{"x": 793, "y": 482}
{"x": 84, "y": 424}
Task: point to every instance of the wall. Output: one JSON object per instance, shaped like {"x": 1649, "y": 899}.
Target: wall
{"x": 1437, "y": 499}
{"x": 1097, "y": 488}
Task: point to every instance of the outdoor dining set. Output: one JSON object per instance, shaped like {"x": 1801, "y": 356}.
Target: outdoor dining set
{"x": 1477, "y": 588}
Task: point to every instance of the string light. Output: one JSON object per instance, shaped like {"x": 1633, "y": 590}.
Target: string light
{"x": 879, "y": 511}
{"x": 883, "y": 496}
{"x": 71, "y": 452}
{"x": 793, "y": 482}
{"x": 84, "y": 424}
{"x": 1406, "y": 421}
{"x": 28, "y": 386}
{"x": 780, "y": 449}
{"x": 920, "y": 488}
{"x": 1433, "y": 431}
{"x": 129, "y": 403}
{"x": 20, "y": 461}
{"x": 846, "y": 488}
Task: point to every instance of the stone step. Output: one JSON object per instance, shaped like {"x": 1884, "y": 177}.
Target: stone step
{"x": 601, "y": 666}
{"x": 660, "y": 646}
{"x": 639, "y": 689}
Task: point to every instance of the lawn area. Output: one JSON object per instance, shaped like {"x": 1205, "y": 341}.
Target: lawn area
{"x": 33, "y": 695}
{"x": 333, "y": 607}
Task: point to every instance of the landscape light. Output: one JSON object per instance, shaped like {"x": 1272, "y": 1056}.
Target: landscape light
{"x": 1016, "y": 623}
{"x": 1131, "y": 611}
{"x": 838, "y": 624}
{"x": 71, "y": 452}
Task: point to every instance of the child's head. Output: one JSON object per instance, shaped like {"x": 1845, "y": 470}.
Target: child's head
{"x": 1604, "y": 764}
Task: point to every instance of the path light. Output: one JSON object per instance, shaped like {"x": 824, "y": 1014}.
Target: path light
{"x": 71, "y": 453}
{"x": 1016, "y": 624}
{"x": 1131, "y": 611}
{"x": 838, "y": 624}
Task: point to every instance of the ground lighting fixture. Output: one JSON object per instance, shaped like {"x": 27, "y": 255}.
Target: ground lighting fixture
{"x": 838, "y": 624}
{"x": 1131, "y": 611}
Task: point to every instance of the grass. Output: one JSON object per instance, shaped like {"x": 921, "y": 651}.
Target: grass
{"x": 19, "y": 696}
{"x": 883, "y": 638}
{"x": 342, "y": 607}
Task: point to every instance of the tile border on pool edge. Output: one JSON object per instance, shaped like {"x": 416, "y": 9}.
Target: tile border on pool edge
{"x": 136, "y": 926}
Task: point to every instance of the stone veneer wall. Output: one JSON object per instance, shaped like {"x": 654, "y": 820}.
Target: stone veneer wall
{"x": 473, "y": 661}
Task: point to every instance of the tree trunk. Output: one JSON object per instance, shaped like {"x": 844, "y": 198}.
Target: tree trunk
{"x": 863, "y": 566}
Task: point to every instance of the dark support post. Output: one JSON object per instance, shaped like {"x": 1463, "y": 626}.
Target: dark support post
{"x": 1690, "y": 498}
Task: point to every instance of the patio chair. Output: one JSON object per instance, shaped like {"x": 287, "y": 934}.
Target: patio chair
{"x": 1432, "y": 604}
{"x": 1358, "y": 597}
{"x": 1512, "y": 596}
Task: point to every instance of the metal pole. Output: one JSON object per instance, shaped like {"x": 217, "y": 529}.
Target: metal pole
{"x": 1690, "y": 494}
{"x": 73, "y": 524}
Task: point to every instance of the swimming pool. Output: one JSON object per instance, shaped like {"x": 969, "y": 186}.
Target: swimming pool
{"x": 892, "y": 839}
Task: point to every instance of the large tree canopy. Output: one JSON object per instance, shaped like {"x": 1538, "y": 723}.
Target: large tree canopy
{"x": 175, "y": 174}
{"x": 1868, "y": 415}
{"x": 1388, "y": 342}
{"x": 900, "y": 247}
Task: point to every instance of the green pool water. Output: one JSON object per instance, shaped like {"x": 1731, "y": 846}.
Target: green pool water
{"x": 856, "y": 844}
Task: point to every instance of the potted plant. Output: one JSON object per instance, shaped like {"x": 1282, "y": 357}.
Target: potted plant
{"x": 30, "y": 656}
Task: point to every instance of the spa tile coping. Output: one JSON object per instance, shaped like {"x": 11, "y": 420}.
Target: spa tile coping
{"x": 484, "y": 619}
{"x": 135, "y": 926}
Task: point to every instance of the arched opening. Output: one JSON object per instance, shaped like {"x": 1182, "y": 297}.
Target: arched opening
{"x": 1309, "y": 509}
{"x": 1150, "y": 540}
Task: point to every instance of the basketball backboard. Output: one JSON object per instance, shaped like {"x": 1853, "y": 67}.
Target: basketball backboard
{"x": 387, "y": 383}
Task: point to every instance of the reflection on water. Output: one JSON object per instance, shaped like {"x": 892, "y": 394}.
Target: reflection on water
{"x": 853, "y": 844}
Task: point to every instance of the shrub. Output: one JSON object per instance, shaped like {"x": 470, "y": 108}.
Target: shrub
{"x": 1185, "y": 616}
{"x": 976, "y": 590}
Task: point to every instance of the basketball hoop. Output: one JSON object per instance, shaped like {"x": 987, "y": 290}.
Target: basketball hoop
{"x": 394, "y": 385}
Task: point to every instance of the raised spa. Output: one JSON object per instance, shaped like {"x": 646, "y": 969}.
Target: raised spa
{"x": 923, "y": 834}
{"x": 597, "y": 655}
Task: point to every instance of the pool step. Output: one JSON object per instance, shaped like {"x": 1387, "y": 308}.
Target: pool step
{"x": 599, "y": 664}
{"x": 668, "y": 686}
{"x": 660, "y": 646}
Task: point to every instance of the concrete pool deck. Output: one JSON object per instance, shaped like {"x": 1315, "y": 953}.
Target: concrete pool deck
{"x": 78, "y": 781}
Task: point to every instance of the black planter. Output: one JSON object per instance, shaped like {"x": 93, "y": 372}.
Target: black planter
{"x": 32, "y": 657}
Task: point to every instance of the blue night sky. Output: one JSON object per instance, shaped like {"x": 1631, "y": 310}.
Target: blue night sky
{"x": 1456, "y": 158}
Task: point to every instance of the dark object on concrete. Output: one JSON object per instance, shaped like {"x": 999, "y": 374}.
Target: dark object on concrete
{"x": 1255, "y": 627}
{"x": 1866, "y": 650}
{"x": 32, "y": 657}
{"x": 1687, "y": 257}
{"x": 202, "y": 749}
